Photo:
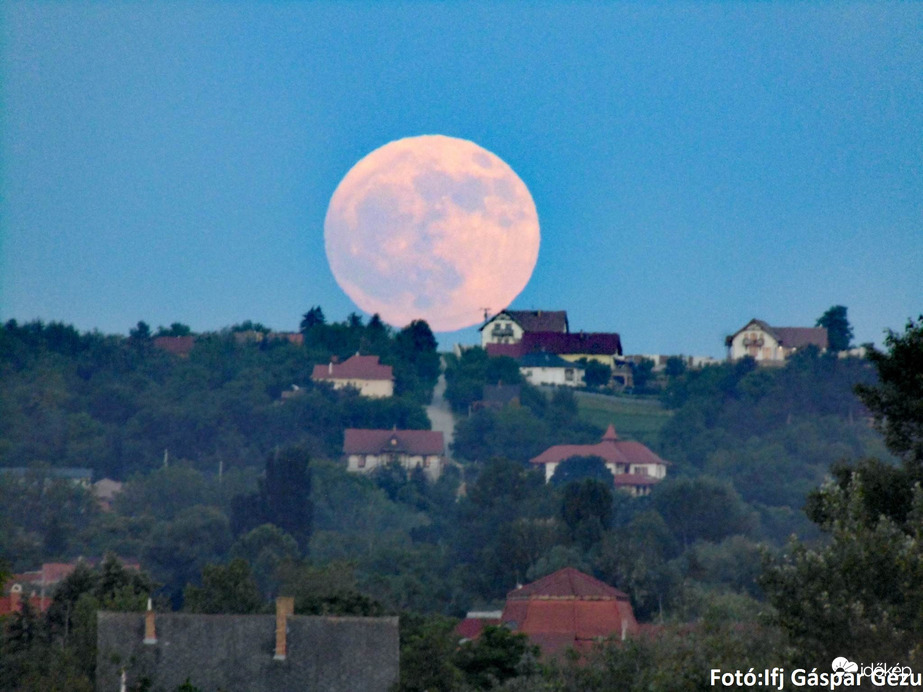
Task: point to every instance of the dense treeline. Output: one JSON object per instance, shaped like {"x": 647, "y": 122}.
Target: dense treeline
{"x": 119, "y": 405}
{"x": 696, "y": 556}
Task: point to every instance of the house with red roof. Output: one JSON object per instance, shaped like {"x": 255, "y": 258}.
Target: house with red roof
{"x": 364, "y": 373}
{"x": 569, "y": 610}
{"x": 772, "y": 345}
{"x": 508, "y": 326}
{"x": 365, "y": 450}
{"x": 635, "y": 468}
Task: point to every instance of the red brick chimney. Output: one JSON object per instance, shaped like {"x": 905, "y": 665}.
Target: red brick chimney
{"x": 285, "y": 606}
{"x": 150, "y": 632}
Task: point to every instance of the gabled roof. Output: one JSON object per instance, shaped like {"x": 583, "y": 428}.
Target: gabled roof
{"x": 584, "y": 343}
{"x": 788, "y": 337}
{"x": 424, "y": 442}
{"x": 355, "y": 368}
{"x": 568, "y": 609}
{"x": 546, "y": 360}
{"x": 567, "y": 583}
{"x": 610, "y": 448}
{"x": 535, "y": 320}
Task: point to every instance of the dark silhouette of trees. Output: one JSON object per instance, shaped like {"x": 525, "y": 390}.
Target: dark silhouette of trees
{"x": 839, "y": 331}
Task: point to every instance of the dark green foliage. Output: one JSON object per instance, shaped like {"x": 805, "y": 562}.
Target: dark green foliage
{"x": 428, "y": 645}
{"x": 72, "y": 399}
{"x": 227, "y": 589}
{"x": 586, "y": 508}
{"x": 283, "y": 498}
{"x": 675, "y": 366}
{"x": 861, "y": 588}
{"x": 839, "y": 331}
{"x": 896, "y": 400}
{"x": 701, "y": 509}
{"x": 596, "y": 374}
{"x": 580, "y": 468}
{"x": 642, "y": 374}
{"x": 328, "y": 590}
{"x": 496, "y": 656}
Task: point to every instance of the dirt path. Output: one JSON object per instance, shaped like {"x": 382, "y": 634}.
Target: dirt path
{"x": 440, "y": 415}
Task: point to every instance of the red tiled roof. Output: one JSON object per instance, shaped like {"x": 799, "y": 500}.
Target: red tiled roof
{"x": 355, "y": 368}
{"x": 567, "y": 583}
{"x": 569, "y": 609}
{"x": 799, "y": 337}
{"x": 789, "y": 337}
{"x": 509, "y": 350}
{"x": 471, "y": 628}
{"x": 611, "y": 449}
{"x": 582, "y": 343}
{"x": 537, "y": 320}
{"x": 425, "y": 442}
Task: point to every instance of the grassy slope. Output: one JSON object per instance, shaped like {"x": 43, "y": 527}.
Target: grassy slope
{"x": 634, "y": 418}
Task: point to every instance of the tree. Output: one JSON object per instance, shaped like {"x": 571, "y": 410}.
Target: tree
{"x": 642, "y": 373}
{"x": 839, "y": 331}
{"x": 496, "y": 656}
{"x": 596, "y": 374}
{"x": 227, "y": 588}
{"x": 897, "y": 400}
{"x": 675, "y": 366}
{"x": 581, "y": 468}
{"x": 312, "y": 318}
{"x": 859, "y": 592}
{"x": 586, "y": 509}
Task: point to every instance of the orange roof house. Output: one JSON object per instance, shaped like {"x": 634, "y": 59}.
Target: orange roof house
{"x": 366, "y": 450}
{"x": 635, "y": 467}
{"x": 569, "y": 609}
{"x": 364, "y": 373}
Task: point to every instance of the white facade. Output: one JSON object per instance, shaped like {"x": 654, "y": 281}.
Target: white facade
{"x": 374, "y": 389}
{"x": 554, "y": 376}
{"x": 366, "y": 463}
{"x": 756, "y": 342}
{"x": 502, "y": 329}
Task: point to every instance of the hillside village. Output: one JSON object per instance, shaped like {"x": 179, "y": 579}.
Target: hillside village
{"x": 509, "y": 461}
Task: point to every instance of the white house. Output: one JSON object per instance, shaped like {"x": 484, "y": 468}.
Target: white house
{"x": 364, "y": 373}
{"x": 508, "y": 326}
{"x": 772, "y": 345}
{"x": 549, "y": 369}
{"x": 366, "y": 450}
{"x": 634, "y": 467}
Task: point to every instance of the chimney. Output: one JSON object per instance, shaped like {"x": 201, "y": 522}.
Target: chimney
{"x": 15, "y": 598}
{"x": 150, "y": 633}
{"x": 624, "y": 628}
{"x": 285, "y": 606}
{"x": 330, "y": 368}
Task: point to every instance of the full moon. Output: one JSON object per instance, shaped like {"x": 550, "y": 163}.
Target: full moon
{"x": 433, "y": 228}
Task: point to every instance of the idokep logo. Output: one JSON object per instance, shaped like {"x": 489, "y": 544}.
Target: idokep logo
{"x": 844, "y": 665}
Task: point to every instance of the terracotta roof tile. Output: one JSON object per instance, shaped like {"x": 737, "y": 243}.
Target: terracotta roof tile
{"x": 361, "y": 441}
{"x": 355, "y": 368}
{"x": 567, "y": 583}
{"x": 611, "y": 449}
{"x": 537, "y": 320}
{"x": 588, "y": 343}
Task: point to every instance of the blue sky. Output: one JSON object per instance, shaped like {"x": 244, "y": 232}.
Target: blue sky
{"x": 693, "y": 164}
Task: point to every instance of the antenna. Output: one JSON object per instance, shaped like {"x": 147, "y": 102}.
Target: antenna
{"x": 486, "y": 313}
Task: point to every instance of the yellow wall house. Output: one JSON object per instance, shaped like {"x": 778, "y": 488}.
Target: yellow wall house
{"x": 364, "y": 373}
